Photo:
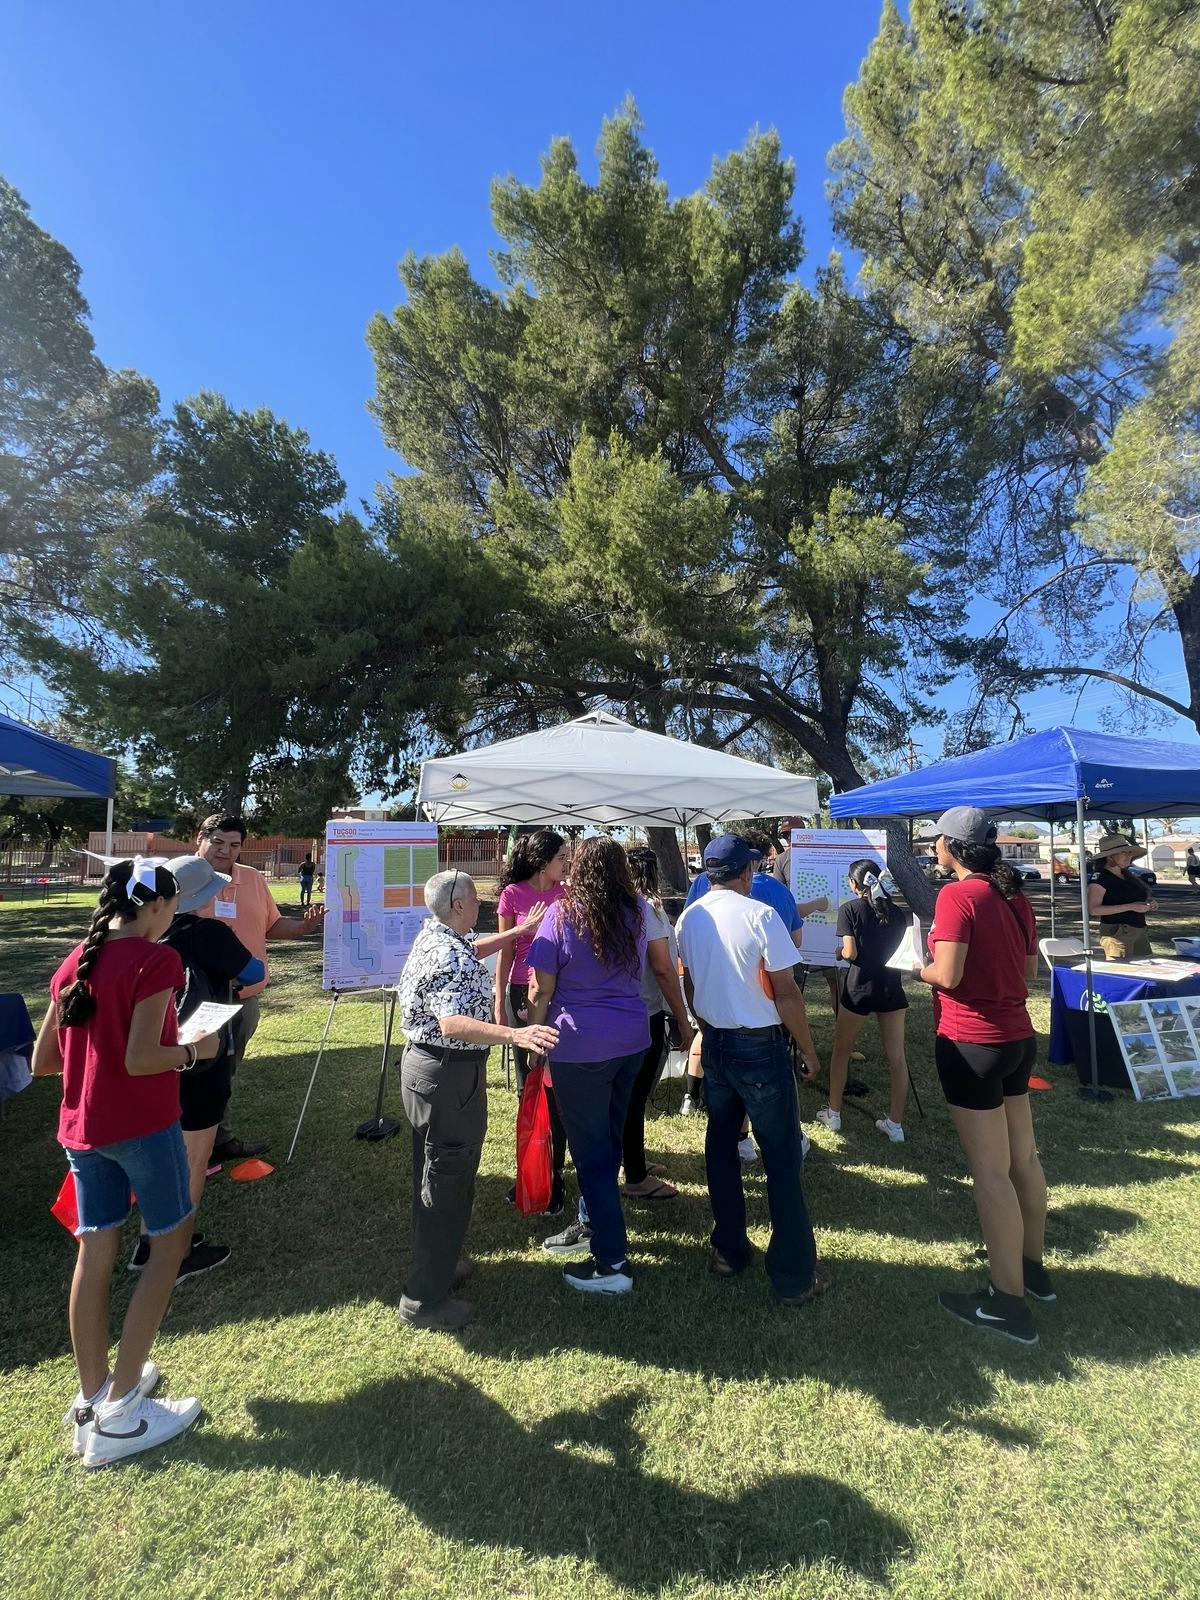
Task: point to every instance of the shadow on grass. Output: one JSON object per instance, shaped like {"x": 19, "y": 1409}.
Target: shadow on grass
{"x": 574, "y": 1485}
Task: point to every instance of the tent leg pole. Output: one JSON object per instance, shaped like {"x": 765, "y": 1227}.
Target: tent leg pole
{"x": 1090, "y": 1091}
{"x": 108, "y": 827}
{"x": 1053, "y": 929}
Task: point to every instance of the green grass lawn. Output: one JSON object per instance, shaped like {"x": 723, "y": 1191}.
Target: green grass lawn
{"x": 690, "y": 1440}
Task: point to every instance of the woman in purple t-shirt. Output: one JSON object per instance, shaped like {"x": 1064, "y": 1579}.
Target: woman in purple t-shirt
{"x": 586, "y": 973}
{"x": 532, "y": 876}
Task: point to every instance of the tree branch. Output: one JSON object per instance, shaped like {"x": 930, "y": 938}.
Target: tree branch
{"x": 1114, "y": 677}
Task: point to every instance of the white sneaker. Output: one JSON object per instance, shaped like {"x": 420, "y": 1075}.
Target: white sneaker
{"x": 147, "y": 1384}
{"x": 893, "y": 1129}
{"x": 746, "y": 1149}
{"x": 805, "y": 1146}
{"x": 689, "y": 1108}
{"x": 831, "y": 1119}
{"x": 127, "y": 1427}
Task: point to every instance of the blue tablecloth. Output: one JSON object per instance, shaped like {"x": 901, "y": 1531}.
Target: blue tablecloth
{"x": 1068, "y": 1015}
{"x": 16, "y": 1040}
{"x": 16, "y": 1030}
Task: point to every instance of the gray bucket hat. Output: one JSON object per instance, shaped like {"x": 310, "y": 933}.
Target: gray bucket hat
{"x": 198, "y": 883}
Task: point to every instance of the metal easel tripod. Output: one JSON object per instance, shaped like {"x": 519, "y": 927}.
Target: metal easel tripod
{"x": 378, "y": 1126}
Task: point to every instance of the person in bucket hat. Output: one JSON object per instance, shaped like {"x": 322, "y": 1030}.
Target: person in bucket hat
{"x": 1118, "y": 900}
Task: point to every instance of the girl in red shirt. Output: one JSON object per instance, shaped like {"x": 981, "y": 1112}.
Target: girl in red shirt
{"x": 984, "y": 950}
{"x": 111, "y": 1034}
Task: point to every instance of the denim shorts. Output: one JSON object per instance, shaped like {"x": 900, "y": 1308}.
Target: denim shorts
{"x": 153, "y": 1167}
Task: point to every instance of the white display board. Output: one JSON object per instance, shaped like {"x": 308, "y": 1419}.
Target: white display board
{"x": 821, "y": 858}
{"x": 1158, "y": 1039}
{"x": 375, "y": 875}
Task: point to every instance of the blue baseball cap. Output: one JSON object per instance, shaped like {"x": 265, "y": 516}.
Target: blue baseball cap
{"x": 730, "y": 853}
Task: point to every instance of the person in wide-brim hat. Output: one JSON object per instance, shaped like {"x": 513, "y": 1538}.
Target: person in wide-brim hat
{"x": 1112, "y": 844}
{"x": 1118, "y": 900}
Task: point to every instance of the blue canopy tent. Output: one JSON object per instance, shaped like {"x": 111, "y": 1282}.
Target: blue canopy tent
{"x": 34, "y": 763}
{"x": 1055, "y": 775}
{"x": 1058, "y": 774}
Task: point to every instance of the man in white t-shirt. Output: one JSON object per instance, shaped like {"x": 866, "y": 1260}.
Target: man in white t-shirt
{"x": 738, "y": 956}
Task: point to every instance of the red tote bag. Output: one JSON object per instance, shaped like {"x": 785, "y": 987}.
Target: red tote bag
{"x": 535, "y": 1163}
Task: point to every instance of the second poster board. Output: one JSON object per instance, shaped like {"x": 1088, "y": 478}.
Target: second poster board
{"x": 821, "y": 859}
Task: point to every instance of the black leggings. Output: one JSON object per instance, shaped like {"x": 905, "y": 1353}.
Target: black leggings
{"x": 635, "y": 1117}
{"x": 518, "y": 1000}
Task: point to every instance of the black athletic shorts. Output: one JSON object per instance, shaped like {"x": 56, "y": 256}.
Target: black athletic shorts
{"x": 977, "y": 1077}
{"x": 203, "y": 1095}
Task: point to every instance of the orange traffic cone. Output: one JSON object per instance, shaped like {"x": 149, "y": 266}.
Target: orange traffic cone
{"x": 250, "y": 1171}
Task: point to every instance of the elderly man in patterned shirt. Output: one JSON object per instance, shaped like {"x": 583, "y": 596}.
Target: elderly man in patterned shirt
{"x": 447, "y": 1006}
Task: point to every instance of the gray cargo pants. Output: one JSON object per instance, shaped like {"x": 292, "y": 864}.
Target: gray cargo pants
{"x": 445, "y": 1098}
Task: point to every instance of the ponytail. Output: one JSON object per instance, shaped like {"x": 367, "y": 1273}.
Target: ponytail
{"x": 530, "y": 854}
{"x": 873, "y": 883}
{"x": 77, "y": 1003}
{"x": 985, "y": 859}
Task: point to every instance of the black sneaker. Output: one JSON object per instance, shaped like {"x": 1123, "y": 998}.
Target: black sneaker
{"x": 202, "y": 1258}
{"x": 237, "y": 1150}
{"x": 994, "y": 1312}
{"x": 570, "y": 1242}
{"x": 1038, "y": 1283}
{"x": 597, "y": 1277}
{"x": 141, "y": 1251}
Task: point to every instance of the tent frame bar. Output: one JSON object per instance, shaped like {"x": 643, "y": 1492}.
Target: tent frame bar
{"x": 1089, "y": 1091}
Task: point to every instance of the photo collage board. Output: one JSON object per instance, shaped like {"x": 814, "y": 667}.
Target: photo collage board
{"x": 1160, "y": 1040}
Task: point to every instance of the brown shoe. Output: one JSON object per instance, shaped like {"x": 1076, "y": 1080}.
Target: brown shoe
{"x": 822, "y": 1281}
{"x": 719, "y": 1267}
{"x": 446, "y": 1317}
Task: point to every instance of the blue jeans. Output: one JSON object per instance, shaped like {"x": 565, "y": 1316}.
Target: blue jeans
{"x": 593, "y": 1097}
{"x": 152, "y": 1166}
{"x": 750, "y": 1072}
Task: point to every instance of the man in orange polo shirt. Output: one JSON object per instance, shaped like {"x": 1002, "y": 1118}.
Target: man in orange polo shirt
{"x": 248, "y": 907}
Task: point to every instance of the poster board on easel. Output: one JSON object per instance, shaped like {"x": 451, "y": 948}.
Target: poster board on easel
{"x": 821, "y": 859}
{"x": 375, "y": 876}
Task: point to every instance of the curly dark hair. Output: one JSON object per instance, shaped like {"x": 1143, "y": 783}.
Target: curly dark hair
{"x": 985, "y": 859}
{"x": 602, "y": 902}
{"x": 531, "y": 853}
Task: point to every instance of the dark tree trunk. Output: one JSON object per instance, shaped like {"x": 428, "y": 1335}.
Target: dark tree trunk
{"x": 672, "y": 871}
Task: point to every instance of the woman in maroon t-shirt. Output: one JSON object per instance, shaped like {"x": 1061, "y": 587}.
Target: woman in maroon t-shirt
{"x": 111, "y": 1033}
{"x": 983, "y": 946}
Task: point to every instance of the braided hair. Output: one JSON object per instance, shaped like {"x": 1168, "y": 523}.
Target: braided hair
{"x": 77, "y": 1003}
{"x": 531, "y": 853}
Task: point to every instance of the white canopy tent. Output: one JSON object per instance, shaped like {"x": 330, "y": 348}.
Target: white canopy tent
{"x": 598, "y": 771}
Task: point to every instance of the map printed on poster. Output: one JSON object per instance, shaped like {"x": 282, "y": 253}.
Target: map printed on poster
{"x": 375, "y": 876}
{"x": 821, "y": 858}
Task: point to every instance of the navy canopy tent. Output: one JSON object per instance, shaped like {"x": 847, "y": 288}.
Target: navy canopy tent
{"x": 34, "y": 763}
{"x": 1046, "y": 775}
{"x": 1059, "y": 774}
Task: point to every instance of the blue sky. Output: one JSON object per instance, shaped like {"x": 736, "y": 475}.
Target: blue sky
{"x": 238, "y": 181}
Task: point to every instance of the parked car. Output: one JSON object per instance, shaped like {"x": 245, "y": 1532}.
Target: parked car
{"x": 1024, "y": 869}
{"x": 1144, "y": 873}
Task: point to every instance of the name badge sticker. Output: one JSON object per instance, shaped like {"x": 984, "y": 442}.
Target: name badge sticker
{"x": 225, "y": 909}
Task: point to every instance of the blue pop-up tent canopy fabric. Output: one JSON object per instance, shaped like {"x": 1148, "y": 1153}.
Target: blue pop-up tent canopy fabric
{"x": 1044, "y": 775}
{"x": 34, "y": 763}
